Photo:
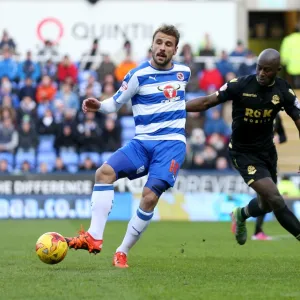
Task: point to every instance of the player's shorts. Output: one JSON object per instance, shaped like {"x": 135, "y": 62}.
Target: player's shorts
{"x": 255, "y": 166}
{"x": 159, "y": 159}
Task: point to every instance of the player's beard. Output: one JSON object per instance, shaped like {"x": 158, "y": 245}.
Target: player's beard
{"x": 162, "y": 63}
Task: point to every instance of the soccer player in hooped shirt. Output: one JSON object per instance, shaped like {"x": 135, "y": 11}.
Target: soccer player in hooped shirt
{"x": 257, "y": 99}
{"x": 157, "y": 91}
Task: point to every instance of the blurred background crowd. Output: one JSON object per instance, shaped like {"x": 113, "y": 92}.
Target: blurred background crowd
{"x": 42, "y": 128}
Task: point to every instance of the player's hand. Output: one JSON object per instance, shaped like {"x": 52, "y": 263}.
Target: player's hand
{"x": 90, "y": 104}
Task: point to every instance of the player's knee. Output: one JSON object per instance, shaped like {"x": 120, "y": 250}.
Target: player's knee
{"x": 151, "y": 195}
{"x": 105, "y": 174}
{"x": 264, "y": 206}
{"x": 276, "y": 201}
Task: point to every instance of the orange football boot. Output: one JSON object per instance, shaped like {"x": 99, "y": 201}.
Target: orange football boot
{"x": 120, "y": 260}
{"x": 84, "y": 241}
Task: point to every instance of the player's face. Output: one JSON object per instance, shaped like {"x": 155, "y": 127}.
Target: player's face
{"x": 163, "y": 50}
{"x": 266, "y": 72}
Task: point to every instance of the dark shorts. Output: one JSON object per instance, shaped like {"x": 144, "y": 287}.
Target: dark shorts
{"x": 255, "y": 166}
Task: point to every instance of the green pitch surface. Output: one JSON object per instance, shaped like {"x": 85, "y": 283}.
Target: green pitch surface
{"x": 173, "y": 260}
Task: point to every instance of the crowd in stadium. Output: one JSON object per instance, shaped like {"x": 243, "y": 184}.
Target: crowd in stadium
{"x": 42, "y": 128}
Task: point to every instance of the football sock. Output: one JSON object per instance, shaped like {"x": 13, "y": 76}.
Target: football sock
{"x": 258, "y": 224}
{"x": 252, "y": 210}
{"x": 101, "y": 204}
{"x": 288, "y": 221}
{"x": 136, "y": 226}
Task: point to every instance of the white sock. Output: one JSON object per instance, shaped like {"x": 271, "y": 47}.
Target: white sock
{"x": 101, "y": 203}
{"x": 136, "y": 226}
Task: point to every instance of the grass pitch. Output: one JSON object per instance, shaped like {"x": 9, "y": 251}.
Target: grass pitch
{"x": 173, "y": 260}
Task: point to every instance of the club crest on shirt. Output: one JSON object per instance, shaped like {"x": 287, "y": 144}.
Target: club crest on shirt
{"x": 180, "y": 76}
{"x": 251, "y": 170}
{"x": 170, "y": 92}
{"x": 275, "y": 99}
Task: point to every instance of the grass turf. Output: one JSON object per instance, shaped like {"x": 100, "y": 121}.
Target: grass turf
{"x": 173, "y": 260}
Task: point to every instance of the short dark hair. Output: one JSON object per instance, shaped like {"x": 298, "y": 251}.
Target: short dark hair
{"x": 168, "y": 30}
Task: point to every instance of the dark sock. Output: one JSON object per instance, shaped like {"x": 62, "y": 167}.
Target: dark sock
{"x": 288, "y": 221}
{"x": 252, "y": 210}
{"x": 258, "y": 224}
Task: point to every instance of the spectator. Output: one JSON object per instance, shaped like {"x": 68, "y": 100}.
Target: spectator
{"x": 46, "y": 90}
{"x": 290, "y": 56}
{"x": 28, "y": 138}
{"x": 111, "y": 133}
{"x": 43, "y": 168}
{"x": 110, "y": 78}
{"x": 210, "y": 76}
{"x": 66, "y": 139}
{"x": 7, "y": 90}
{"x": 205, "y": 159}
{"x": 9, "y": 137}
{"x": 124, "y": 53}
{"x": 4, "y": 167}
{"x": 188, "y": 60}
{"x": 87, "y": 64}
{"x": 240, "y": 50}
{"x": 219, "y": 143}
{"x": 222, "y": 164}
{"x": 69, "y": 98}
{"x": 248, "y": 66}
{"x": 67, "y": 71}
{"x": 8, "y": 66}
{"x": 27, "y": 108}
{"x": 194, "y": 120}
{"x": 186, "y": 49}
{"x": 206, "y": 48}
{"x": 29, "y": 69}
{"x": 91, "y": 82}
{"x": 106, "y": 67}
{"x": 46, "y": 124}
{"x": 26, "y": 167}
{"x": 216, "y": 124}
{"x": 88, "y": 165}
{"x": 49, "y": 69}
{"x": 108, "y": 91}
{"x": 124, "y": 67}
{"x": 59, "y": 166}
{"x": 7, "y": 42}
{"x": 90, "y": 135}
{"x": 48, "y": 52}
{"x": 8, "y": 112}
{"x": 224, "y": 65}
{"x": 28, "y": 90}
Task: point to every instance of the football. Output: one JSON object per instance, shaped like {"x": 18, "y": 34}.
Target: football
{"x": 51, "y": 248}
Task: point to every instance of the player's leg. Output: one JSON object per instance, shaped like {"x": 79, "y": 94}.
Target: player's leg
{"x": 140, "y": 220}
{"x": 251, "y": 169}
{"x": 269, "y": 193}
{"x": 163, "y": 170}
{"x": 259, "y": 233}
{"x": 119, "y": 165}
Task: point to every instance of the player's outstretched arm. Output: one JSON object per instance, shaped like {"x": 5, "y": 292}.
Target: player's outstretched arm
{"x": 202, "y": 103}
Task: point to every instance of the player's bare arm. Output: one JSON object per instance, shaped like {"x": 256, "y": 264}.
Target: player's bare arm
{"x": 297, "y": 123}
{"x": 202, "y": 103}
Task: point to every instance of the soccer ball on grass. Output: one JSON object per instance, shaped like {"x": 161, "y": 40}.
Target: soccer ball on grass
{"x": 51, "y": 248}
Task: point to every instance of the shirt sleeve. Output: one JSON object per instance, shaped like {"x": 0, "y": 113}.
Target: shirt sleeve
{"x": 291, "y": 103}
{"x": 128, "y": 89}
{"x": 229, "y": 91}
